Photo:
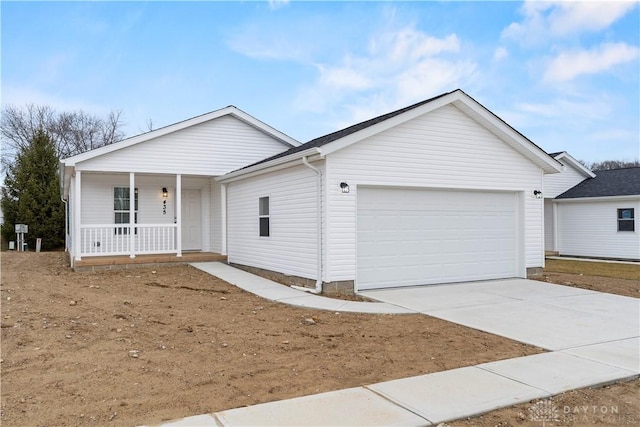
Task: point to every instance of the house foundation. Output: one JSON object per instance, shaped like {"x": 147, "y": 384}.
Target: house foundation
{"x": 534, "y": 272}
{"x": 344, "y": 287}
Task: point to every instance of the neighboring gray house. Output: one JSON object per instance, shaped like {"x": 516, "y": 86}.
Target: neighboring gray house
{"x": 599, "y": 216}
{"x": 573, "y": 172}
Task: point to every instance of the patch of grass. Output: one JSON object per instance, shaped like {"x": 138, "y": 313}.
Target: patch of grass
{"x": 591, "y": 268}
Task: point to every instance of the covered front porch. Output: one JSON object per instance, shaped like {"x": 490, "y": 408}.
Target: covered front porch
{"x": 143, "y": 218}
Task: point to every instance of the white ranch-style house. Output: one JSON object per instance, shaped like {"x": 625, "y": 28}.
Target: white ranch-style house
{"x": 440, "y": 191}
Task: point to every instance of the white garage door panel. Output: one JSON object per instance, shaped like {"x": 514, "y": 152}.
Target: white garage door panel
{"x": 416, "y": 237}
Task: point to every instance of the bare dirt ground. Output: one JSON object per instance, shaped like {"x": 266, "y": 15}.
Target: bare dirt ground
{"x": 614, "y": 278}
{"x": 145, "y": 345}
{"x": 612, "y": 405}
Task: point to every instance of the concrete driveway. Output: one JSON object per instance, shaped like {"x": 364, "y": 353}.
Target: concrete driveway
{"x": 550, "y": 316}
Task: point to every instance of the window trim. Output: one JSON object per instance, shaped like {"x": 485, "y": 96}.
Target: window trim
{"x": 264, "y": 217}
{"x": 620, "y": 220}
{"x": 120, "y": 228}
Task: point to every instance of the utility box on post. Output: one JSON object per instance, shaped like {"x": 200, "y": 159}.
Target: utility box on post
{"x": 21, "y": 230}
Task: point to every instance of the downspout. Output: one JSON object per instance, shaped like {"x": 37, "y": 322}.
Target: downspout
{"x": 318, "y": 288}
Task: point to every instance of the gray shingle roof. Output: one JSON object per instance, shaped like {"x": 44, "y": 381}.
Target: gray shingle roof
{"x": 614, "y": 182}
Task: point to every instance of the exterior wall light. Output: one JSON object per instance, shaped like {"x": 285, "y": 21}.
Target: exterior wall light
{"x": 344, "y": 187}
{"x": 165, "y": 193}
{"x": 537, "y": 194}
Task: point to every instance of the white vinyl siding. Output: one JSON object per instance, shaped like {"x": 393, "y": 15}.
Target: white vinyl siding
{"x": 590, "y": 228}
{"x": 557, "y": 183}
{"x": 210, "y": 149}
{"x": 442, "y": 149}
{"x": 409, "y": 237}
{"x": 291, "y": 247}
{"x": 549, "y": 226}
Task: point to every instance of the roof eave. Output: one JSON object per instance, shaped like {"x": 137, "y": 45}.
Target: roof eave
{"x": 266, "y": 167}
{"x": 575, "y": 164}
{"x": 599, "y": 198}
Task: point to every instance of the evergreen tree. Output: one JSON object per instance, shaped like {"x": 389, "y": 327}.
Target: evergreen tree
{"x": 32, "y": 194}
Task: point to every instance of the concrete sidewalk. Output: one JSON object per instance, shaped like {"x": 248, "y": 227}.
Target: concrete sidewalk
{"x": 443, "y": 396}
{"x": 459, "y": 393}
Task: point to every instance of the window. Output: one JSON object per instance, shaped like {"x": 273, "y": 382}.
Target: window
{"x": 121, "y": 206}
{"x": 626, "y": 219}
{"x": 263, "y": 211}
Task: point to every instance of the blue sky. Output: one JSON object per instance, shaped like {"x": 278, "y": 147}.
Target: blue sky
{"x": 565, "y": 74}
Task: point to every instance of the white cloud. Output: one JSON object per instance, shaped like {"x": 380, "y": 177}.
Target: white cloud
{"x": 396, "y": 69}
{"x": 277, "y": 4}
{"x": 500, "y": 53}
{"x": 567, "y": 110}
{"x": 569, "y": 65}
{"x": 343, "y": 78}
{"x": 543, "y": 20}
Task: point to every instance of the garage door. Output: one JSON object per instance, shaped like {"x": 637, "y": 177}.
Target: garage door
{"x": 412, "y": 237}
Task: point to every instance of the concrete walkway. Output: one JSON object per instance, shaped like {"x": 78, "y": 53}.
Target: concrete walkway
{"x": 273, "y": 291}
{"x": 602, "y": 345}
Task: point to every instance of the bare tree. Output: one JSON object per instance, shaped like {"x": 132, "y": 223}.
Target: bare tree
{"x": 73, "y": 132}
{"x": 149, "y": 125}
{"x": 611, "y": 164}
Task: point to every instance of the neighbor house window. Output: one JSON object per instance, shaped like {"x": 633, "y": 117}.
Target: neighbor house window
{"x": 263, "y": 212}
{"x": 121, "y": 206}
{"x": 626, "y": 220}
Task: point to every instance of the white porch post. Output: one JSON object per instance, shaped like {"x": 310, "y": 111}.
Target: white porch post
{"x": 132, "y": 215}
{"x": 223, "y": 217}
{"x": 555, "y": 226}
{"x": 77, "y": 203}
{"x": 179, "y": 215}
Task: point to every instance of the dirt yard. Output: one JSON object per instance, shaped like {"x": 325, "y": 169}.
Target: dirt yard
{"x": 145, "y": 345}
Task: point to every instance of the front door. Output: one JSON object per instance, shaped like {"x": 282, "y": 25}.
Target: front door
{"x": 191, "y": 220}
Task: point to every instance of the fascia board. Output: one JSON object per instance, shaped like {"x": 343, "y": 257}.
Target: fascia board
{"x": 575, "y": 164}
{"x": 262, "y": 168}
{"x": 265, "y": 128}
{"x": 600, "y": 199}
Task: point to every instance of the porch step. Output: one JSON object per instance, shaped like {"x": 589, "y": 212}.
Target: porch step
{"x": 115, "y": 262}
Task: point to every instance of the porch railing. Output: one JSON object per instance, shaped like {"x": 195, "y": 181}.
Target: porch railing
{"x": 114, "y": 239}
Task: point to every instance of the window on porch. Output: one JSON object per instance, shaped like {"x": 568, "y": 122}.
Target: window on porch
{"x": 121, "y": 208}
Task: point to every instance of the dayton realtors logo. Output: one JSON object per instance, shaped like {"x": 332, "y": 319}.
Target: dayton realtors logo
{"x": 544, "y": 411}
